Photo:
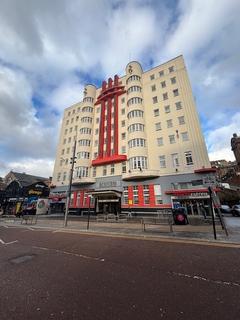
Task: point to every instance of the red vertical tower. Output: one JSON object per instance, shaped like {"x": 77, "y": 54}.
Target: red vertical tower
{"x": 109, "y": 106}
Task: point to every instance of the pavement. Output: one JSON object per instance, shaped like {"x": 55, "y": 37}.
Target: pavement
{"x": 47, "y": 272}
{"x": 203, "y": 232}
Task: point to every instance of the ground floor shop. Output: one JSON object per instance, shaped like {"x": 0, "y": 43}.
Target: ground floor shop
{"x": 113, "y": 195}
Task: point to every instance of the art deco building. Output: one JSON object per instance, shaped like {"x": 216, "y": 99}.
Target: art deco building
{"x": 139, "y": 143}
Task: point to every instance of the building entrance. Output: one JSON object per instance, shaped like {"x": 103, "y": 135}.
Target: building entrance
{"x": 107, "y": 202}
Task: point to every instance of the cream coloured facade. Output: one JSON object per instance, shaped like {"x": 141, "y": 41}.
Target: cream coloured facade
{"x": 136, "y": 130}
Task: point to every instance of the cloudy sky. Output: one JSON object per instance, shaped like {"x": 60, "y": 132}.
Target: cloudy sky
{"x": 50, "y": 48}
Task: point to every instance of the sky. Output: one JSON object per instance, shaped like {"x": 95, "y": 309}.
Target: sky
{"x": 50, "y": 49}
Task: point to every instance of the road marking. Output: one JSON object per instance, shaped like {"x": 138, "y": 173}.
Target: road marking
{"x": 196, "y": 277}
{"x": 6, "y": 243}
{"x": 70, "y": 253}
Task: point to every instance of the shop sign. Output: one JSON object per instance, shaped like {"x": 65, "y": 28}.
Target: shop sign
{"x": 193, "y": 195}
{"x": 110, "y": 184}
{"x": 36, "y": 192}
{"x": 130, "y": 202}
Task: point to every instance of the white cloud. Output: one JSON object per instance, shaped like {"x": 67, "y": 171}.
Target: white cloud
{"x": 219, "y": 140}
{"x": 39, "y": 167}
{"x": 44, "y": 43}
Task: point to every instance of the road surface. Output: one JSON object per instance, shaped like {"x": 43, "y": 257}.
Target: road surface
{"x": 57, "y": 275}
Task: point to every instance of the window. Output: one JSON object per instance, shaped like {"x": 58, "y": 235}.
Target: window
{"x": 125, "y": 195}
{"x": 153, "y": 87}
{"x": 68, "y": 150}
{"x": 97, "y": 120}
{"x": 75, "y": 128}
{"x": 138, "y": 142}
{"x": 123, "y": 136}
{"x": 88, "y": 99}
{"x": 64, "y": 141}
{"x": 123, "y": 123}
{"x": 104, "y": 170}
{"x": 181, "y": 120}
{"x": 171, "y": 69}
{"x": 161, "y": 73}
{"x": 156, "y": 112}
{"x": 77, "y": 118}
{"x": 136, "y": 127}
{"x": 69, "y": 113}
{"x": 122, "y": 100}
{"x": 162, "y": 161}
{"x": 173, "y": 80}
{"x": 69, "y": 139}
{"x": 72, "y": 120}
{"x": 83, "y": 155}
{"x": 133, "y": 78}
{"x": 138, "y": 163}
{"x": 172, "y": 138}
{"x": 87, "y": 109}
{"x": 185, "y": 136}
{"x": 85, "y": 130}
{"x": 160, "y": 141}
{"x": 175, "y": 160}
{"x": 64, "y": 176}
{"x": 66, "y": 131}
{"x": 135, "y": 100}
{"x": 73, "y": 111}
{"x": 95, "y": 155}
{"x": 158, "y": 194}
{"x": 165, "y": 96}
{"x": 169, "y": 123}
{"x": 98, "y": 109}
{"x": 123, "y": 149}
{"x": 124, "y": 167}
{"x": 178, "y": 105}
{"x": 175, "y": 93}
{"x": 167, "y": 109}
{"x": 81, "y": 172}
{"x": 112, "y": 169}
{"x": 163, "y": 84}
{"x": 123, "y": 111}
{"x": 146, "y": 194}
{"x": 95, "y": 143}
{"x": 94, "y": 172}
{"x": 67, "y": 122}
{"x": 59, "y": 176}
{"x": 70, "y": 130}
{"x": 135, "y": 113}
{"x": 86, "y": 119}
{"x": 188, "y": 157}
{"x": 135, "y": 194}
{"x": 96, "y": 131}
{"x": 66, "y": 161}
{"x": 134, "y": 89}
{"x": 158, "y": 126}
{"x": 155, "y": 99}
{"x": 84, "y": 142}
{"x": 152, "y": 77}
{"x": 62, "y": 152}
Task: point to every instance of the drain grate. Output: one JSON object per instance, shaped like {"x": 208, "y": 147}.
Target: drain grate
{"x": 22, "y": 259}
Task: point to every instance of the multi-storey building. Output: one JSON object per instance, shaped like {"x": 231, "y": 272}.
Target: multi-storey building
{"x": 139, "y": 143}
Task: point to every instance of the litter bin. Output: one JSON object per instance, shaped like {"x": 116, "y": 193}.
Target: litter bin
{"x": 180, "y": 215}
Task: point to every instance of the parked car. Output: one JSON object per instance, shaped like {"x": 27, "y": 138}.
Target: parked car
{"x": 236, "y": 210}
{"x": 225, "y": 209}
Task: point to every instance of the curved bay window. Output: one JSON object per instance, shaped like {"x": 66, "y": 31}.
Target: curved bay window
{"x": 138, "y": 163}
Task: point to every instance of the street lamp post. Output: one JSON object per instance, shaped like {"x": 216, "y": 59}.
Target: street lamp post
{"x": 70, "y": 183}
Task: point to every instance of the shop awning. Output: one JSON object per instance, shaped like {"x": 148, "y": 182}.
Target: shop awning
{"x": 105, "y": 193}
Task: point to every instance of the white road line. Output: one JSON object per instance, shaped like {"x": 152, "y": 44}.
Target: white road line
{"x": 71, "y": 254}
{"x": 6, "y": 243}
{"x": 196, "y": 277}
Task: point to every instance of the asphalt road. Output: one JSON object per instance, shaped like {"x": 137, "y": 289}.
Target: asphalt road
{"x": 53, "y": 275}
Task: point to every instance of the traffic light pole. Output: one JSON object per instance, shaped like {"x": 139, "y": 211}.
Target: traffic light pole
{"x": 70, "y": 184}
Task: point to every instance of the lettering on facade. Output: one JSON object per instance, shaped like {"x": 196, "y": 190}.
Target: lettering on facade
{"x": 109, "y": 184}
{"x": 38, "y": 193}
